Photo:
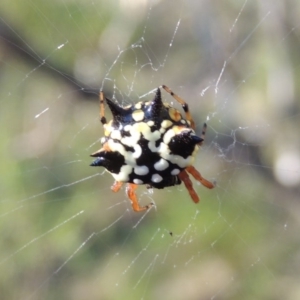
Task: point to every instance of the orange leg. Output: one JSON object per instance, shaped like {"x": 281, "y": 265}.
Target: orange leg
{"x": 199, "y": 178}
{"x": 183, "y": 175}
{"x": 130, "y": 189}
{"x": 183, "y": 104}
{"x": 102, "y": 115}
{"x": 116, "y": 186}
{"x": 203, "y": 133}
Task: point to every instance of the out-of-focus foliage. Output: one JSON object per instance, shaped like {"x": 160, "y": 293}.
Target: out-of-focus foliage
{"x": 64, "y": 234}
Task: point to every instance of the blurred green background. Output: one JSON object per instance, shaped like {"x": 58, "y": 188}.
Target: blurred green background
{"x": 65, "y": 235}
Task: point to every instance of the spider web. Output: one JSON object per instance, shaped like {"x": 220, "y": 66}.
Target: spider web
{"x": 65, "y": 235}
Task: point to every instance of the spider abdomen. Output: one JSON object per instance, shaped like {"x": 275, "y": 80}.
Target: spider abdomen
{"x": 147, "y": 143}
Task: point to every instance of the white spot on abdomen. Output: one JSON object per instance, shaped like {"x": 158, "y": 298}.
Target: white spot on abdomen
{"x": 116, "y": 135}
{"x": 156, "y": 178}
{"x": 123, "y": 175}
{"x": 166, "y": 123}
{"x": 168, "y": 136}
{"x": 175, "y": 172}
{"x": 161, "y": 165}
{"x": 141, "y": 170}
{"x": 138, "y": 115}
{"x": 137, "y": 151}
{"x": 138, "y": 181}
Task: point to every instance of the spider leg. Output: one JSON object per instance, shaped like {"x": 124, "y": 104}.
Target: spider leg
{"x": 130, "y": 190}
{"x": 199, "y": 177}
{"x": 116, "y": 186}
{"x": 183, "y": 104}
{"x": 184, "y": 176}
{"x": 102, "y": 110}
{"x": 203, "y": 134}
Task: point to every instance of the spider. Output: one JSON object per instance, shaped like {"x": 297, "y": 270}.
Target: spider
{"x": 149, "y": 143}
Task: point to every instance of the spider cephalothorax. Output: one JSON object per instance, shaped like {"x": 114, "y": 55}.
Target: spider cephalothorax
{"x": 149, "y": 143}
